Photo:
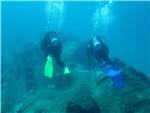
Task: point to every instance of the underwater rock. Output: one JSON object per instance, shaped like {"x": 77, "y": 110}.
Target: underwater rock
{"x": 142, "y": 76}
{"x": 131, "y": 70}
{"x": 31, "y": 91}
{"x": 18, "y": 108}
{"x": 138, "y": 107}
{"x": 101, "y": 80}
{"x": 51, "y": 86}
{"x": 75, "y": 108}
{"x": 40, "y": 111}
{"x": 85, "y": 91}
{"x": 63, "y": 82}
{"x": 78, "y": 55}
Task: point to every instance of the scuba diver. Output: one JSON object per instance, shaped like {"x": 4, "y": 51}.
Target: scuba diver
{"x": 97, "y": 49}
{"x": 52, "y": 48}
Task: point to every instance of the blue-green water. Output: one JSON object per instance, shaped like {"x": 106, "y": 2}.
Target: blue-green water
{"x": 124, "y": 27}
{"x": 127, "y": 35}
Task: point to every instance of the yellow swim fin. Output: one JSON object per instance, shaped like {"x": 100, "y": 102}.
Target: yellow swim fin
{"x": 48, "y": 72}
{"x": 66, "y": 71}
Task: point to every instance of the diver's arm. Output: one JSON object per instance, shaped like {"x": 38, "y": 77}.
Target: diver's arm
{"x": 88, "y": 54}
{"x": 44, "y": 42}
{"x": 43, "y": 45}
{"x": 60, "y": 47}
{"x": 88, "y": 51}
{"x": 43, "y": 48}
{"x": 104, "y": 46}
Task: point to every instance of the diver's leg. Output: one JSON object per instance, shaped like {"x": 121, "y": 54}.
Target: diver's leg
{"x": 105, "y": 55}
{"x": 106, "y": 59}
{"x": 59, "y": 61}
{"x": 99, "y": 61}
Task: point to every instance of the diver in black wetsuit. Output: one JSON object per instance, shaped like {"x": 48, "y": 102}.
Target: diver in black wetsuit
{"x": 51, "y": 45}
{"x": 98, "y": 50}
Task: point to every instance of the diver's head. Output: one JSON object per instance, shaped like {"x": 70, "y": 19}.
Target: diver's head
{"x": 96, "y": 42}
{"x": 52, "y": 34}
{"x": 54, "y": 41}
{"x": 53, "y": 38}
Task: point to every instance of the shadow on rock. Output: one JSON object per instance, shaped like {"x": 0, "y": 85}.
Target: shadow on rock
{"x": 76, "y": 108}
{"x": 63, "y": 82}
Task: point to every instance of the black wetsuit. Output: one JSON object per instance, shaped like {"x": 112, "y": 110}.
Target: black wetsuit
{"x": 49, "y": 49}
{"x": 100, "y": 53}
